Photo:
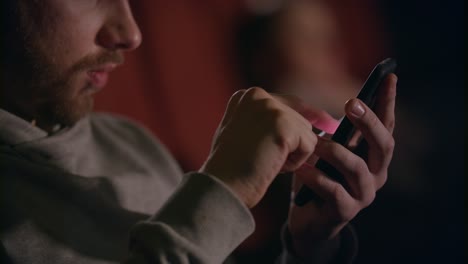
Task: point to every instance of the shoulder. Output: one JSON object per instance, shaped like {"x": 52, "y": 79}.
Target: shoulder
{"x": 117, "y": 123}
{"x": 124, "y": 129}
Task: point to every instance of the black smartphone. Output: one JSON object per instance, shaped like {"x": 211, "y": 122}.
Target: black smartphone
{"x": 345, "y": 130}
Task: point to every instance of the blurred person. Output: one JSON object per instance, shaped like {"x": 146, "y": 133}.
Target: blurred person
{"x": 81, "y": 187}
{"x": 296, "y": 48}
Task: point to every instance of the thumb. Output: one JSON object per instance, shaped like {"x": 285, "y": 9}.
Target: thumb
{"x": 232, "y": 106}
{"x": 230, "y": 109}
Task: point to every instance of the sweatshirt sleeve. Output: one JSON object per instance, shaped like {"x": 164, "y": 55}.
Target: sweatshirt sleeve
{"x": 340, "y": 250}
{"x": 203, "y": 222}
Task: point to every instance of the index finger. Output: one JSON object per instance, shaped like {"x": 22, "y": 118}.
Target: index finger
{"x": 231, "y": 107}
{"x": 317, "y": 117}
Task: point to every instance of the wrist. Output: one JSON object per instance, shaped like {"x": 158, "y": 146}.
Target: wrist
{"x": 244, "y": 191}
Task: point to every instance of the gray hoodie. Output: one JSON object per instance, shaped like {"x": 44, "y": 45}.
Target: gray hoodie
{"x": 106, "y": 191}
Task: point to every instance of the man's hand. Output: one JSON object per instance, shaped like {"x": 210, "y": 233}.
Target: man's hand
{"x": 321, "y": 220}
{"x": 260, "y": 136}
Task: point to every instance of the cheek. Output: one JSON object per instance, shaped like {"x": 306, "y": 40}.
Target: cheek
{"x": 67, "y": 46}
{"x": 66, "y": 37}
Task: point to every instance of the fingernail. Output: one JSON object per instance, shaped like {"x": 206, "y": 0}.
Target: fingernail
{"x": 357, "y": 109}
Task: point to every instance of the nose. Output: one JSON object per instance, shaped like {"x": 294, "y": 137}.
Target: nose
{"x": 120, "y": 31}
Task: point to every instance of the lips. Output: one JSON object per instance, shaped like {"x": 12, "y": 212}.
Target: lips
{"x": 98, "y": 76}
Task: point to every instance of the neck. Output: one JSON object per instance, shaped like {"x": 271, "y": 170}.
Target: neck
{"x": 17, "y": 102}
{"x": 48, "y": 127}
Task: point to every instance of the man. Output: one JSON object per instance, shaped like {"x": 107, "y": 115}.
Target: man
{"x": 75, "y": 184}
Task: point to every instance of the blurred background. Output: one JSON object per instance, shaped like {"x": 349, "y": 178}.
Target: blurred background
{"x": 195, "y": 54}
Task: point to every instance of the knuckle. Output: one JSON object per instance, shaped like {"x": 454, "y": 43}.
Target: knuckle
{"x": 313, "y": 141}
{"x": 338, "y": 194}
{"x": 288, "y": 140}
{"x": 359, "y": 169}
{"x": 368, "y": 198}
{"x": 390, "y": 146}
{"x": 267, "y": 106}
{"x": 381, "y": 180}
{"x": 282, "y": 135}
{"x": 255, "y": 93}
{"x": 270, "y": 104}
{"x": 391, "y": 124}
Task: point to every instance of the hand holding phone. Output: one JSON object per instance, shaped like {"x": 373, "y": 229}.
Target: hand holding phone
{"x": 346, "y": 129}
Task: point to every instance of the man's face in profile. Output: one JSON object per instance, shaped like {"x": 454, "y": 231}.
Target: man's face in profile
{"x": 68, "y": 48}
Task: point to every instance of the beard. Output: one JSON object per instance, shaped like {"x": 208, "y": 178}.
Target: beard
{"x": 38, "y": 85}
{"x": 64, "y": 97}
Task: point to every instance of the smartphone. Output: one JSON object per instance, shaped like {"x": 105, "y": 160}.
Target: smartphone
{"x": 346, "y": 130}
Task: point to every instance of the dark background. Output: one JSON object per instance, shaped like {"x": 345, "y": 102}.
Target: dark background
{"x": 429, "y": 44}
